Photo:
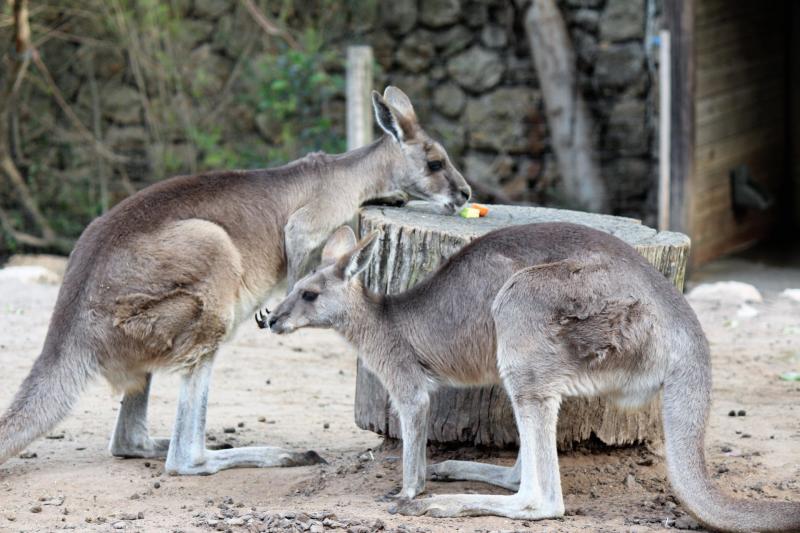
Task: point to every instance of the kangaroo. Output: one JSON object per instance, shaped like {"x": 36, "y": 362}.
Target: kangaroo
{"x": 549, "y": 310}
{"x": 162, "y": 279}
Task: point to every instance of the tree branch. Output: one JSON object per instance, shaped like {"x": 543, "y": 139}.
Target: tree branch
{"x": 270, "y": 27}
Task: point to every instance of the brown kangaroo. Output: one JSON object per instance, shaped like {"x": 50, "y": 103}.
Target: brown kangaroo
{"x": 167, "y": 275}
{"x": 548, "y": 310}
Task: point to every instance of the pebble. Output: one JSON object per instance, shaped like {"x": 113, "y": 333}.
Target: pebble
{"x": 262, "y": 418}
{"x": 229, "y": 430}
{"x": 240, "y": 424}
{"x": 157, "y": 485}
{"x": 326, "y": 425}
{"x": 722, "y": 469}
{"x": 741, "y": 412}
{"x": 726, "y": 449}
{"x": 118, "y": 525}
{"x": 36, "y": 509}
{"x": 28, "y": 455}
{"x": 731, "y": 413}
{"x": 686, "y": 522}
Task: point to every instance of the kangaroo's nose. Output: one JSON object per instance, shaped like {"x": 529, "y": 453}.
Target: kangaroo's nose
{"x": 464, "y": 193}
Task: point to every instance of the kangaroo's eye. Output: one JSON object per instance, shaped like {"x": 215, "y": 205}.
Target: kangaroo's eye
{"x": 435, "y": 166}
{"x": 309, "y": 296}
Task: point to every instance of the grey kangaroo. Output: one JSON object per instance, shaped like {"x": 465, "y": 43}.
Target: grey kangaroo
{"x": 548, "y": 310}
{"x": 162, "y": 279}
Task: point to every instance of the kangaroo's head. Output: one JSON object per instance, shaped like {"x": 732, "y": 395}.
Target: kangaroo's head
{"x": 424, "y": 170}
{"x": 325, "y": 298}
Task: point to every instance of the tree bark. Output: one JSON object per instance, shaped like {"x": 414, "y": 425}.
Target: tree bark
{"x": 415, "y": 243}
{"x": 567, "y": 115}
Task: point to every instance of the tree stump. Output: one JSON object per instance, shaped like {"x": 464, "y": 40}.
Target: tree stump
{"x": 414, "y": 243}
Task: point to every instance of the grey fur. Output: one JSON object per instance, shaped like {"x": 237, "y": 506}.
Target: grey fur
{"x": 162, "y": 279}
{"x": 550, "y": 310}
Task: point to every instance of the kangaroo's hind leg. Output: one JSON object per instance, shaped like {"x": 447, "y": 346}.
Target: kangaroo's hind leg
{"x": 187, "y": 451}
{"x": 539, "y": 494}
{"x": 131, "y": 437}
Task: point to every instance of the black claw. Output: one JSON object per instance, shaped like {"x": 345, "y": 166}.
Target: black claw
{"x": 261, "y": 318}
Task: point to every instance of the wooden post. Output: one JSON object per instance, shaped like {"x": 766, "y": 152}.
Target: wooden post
{"x": 664, "y": 123}
{"x": 359, "y": 91}
{"x": 679, "y": 21}
{"x": 568, "y": 116}
{"x": 413, "y": 244}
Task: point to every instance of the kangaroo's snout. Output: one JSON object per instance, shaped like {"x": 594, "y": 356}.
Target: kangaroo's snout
{"x": 464, "y": 193}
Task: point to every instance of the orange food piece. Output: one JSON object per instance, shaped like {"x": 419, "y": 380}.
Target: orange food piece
{"x": 482, "y": 209}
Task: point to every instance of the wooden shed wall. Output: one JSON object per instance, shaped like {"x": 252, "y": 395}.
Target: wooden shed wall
{"x": 741, "y": 116}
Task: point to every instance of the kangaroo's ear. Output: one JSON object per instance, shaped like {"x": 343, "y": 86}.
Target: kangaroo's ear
{"x": 339, "y": 244}
{"x": 395, "y": 114}
{"x": 358, "y": 260}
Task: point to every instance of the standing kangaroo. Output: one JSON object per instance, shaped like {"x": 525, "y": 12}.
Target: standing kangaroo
{"x": 548, "y": 310}
{"x": 162, "y": 279}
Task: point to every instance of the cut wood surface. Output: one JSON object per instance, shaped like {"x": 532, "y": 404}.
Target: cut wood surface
{"x": 413, "y": 244}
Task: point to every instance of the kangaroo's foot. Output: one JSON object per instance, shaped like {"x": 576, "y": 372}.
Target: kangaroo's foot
{"x": 212, "y": 461}
{"x": 187, "y": 451}
{"x": 501, "y": 476}
{"x": 147, "y": 448}
{"x": 447, "y": 506}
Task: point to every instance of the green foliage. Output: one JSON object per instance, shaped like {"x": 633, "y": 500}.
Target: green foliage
{"x": 215, "y": 93}
{"x": 293, "y": 92}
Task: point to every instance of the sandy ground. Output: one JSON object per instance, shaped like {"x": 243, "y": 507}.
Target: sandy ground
{"x": 297, "y": 392}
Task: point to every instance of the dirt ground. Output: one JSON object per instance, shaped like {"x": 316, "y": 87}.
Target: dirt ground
{"x": 297, "y": 391}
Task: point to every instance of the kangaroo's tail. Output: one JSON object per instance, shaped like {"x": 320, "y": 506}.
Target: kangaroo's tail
{"x": 46, "y": 396}
{"x": 686, "y": 401}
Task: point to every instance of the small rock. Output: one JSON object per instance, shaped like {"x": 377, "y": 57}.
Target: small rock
{"x": 726, "y": 449}
{"x": 731, "y": 413}
{"x": 741, "y": 412}
{"x": 157, "y": 485}
{"x": 229, "y": 430}
{"x": 262, "y": 419}
{"x": 118, "y": 525}
{"x": 28, "y": 455}
{"x": 746, "y": 435}
{"x": 36, "y": 509}
{"x": 722, "y": 469}
{"x": 326, "y": 425}
{"x": 686, "y": 522}
{"x": 240, "y": 424}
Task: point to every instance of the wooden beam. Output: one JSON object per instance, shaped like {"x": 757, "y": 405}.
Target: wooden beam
{"x": 359, "y": 89}
{"x": 678, "y": 20}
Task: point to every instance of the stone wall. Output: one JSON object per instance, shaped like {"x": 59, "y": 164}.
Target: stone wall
{"x": 467, "y": 66}
{"x": 170, "y": 100}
